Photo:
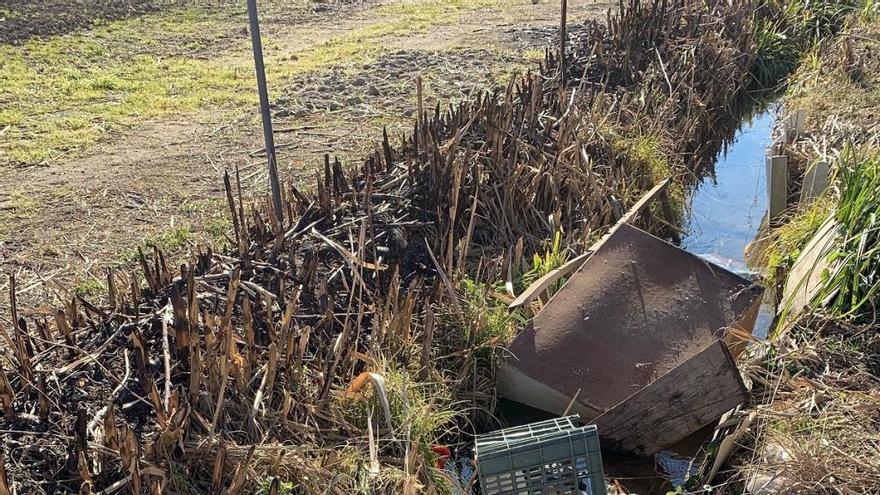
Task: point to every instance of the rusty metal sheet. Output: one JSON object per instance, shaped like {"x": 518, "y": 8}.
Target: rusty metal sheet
{"x": 635, "y": 310}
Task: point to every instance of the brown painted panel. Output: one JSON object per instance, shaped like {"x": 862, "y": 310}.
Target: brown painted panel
{"x": 635, "y": 310}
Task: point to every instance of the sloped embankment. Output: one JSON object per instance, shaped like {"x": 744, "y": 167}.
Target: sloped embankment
{"x": 814, "y": 427}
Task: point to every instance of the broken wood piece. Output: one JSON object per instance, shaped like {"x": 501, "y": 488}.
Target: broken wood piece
{"x": 635, "y": 310}
{"x": 540, "y": 286}
{"x": 804, "y": 280}
{"x": 691, "y": 396}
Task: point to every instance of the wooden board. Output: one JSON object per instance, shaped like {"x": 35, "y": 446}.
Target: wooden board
{"x": 690, "y": 396}
{"x": 805, "y": 278}
{"x": 777, "y": 185}
{"x": 815, "y": 181}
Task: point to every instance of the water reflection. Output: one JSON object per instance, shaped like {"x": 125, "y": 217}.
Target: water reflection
{"x": 726, "y": 209}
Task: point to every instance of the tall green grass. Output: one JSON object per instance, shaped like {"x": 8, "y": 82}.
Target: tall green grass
{"x": 554, "y": 257}
{"x": 786, "y": 30}
{"x": 851, "y": 285}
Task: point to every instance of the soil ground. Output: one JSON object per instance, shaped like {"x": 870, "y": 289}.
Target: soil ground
{"x": 23, "y": 19}
{"x": 90, "y": 175}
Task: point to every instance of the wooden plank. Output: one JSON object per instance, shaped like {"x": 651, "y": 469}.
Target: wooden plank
{"x": 777, "y": 185}
{"x": 800, "y": 122}
{"x": 515, "y": 385}
{"x": 815, "y": 181}
{"x": 643, "y": 201}
{"x": 689, "y": 397}
{"x": 805, "y": 278}
{"x": 632, "y": 212}
{"x": 538, "y": 287}
{"x": 787, "y": 130}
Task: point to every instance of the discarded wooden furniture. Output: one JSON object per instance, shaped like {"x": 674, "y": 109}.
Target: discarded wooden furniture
{"x": 635, "y": 340}
{"x": 554, "y": 456}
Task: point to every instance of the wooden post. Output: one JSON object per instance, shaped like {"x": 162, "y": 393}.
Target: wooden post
{"x": 800, "y": 121}
{"x": 777, "y": 186}
{"x": 257, "y": 43}
{"x": 788, "y": 128}
{"x": 815, "y": 181}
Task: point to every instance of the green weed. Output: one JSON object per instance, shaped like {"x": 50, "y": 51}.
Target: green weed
{"x": 284, "y": 488}
{"x": 852, "y": 284}
{"x": 645, "y": 159}
{"x": 90, "y": 287}
{"x": 786, "y": 30}
{"x": 487, "y": 319}
{"x": 418, "y": 409}
{"x": 554, "y": 257}
{"x": 168, "y": 241}
{"x": 784, "y": 244}
{"x": 777, "y": 54}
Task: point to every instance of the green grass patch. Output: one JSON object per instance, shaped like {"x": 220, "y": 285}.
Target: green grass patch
{"x": 648, "y": 163}
{"x": 542, "y": 264}
{"x": 421, "y": 409}
{"x": 784, "y": 243}
{"x": 67, "y": 97}
{"x": 90, "y": 287}
{"x": 167, "y": 241}
{"x": 22, "y": 203}
{"x": 284, "y": 488}
{"x": 65, "y": 93}
{"x": 841, "y": 80}
{"x": 487, "y": 319}
{"x": 786, "y": 30}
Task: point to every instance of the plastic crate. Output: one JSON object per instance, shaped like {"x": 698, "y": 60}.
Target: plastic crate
{"x": 548, "y": 457}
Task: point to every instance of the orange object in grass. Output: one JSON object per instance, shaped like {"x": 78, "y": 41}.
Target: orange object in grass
{"x": 443, "y": 455}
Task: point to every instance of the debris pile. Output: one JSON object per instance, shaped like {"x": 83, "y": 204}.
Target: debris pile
{"x": 232, "y": 371}
{"x": 635, "y": 341}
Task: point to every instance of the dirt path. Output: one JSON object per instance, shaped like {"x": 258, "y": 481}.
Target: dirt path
{"x": 350, "y": 73}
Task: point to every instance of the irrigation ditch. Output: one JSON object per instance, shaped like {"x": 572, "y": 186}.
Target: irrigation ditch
{"x": 332, "y": 351}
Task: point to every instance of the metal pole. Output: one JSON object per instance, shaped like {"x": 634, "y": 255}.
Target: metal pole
{"x": 264, "y": 110}
{"x": 563, "y": 18}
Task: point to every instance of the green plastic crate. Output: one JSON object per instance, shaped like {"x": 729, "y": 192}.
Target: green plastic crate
{"x": 548, "y": 457}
